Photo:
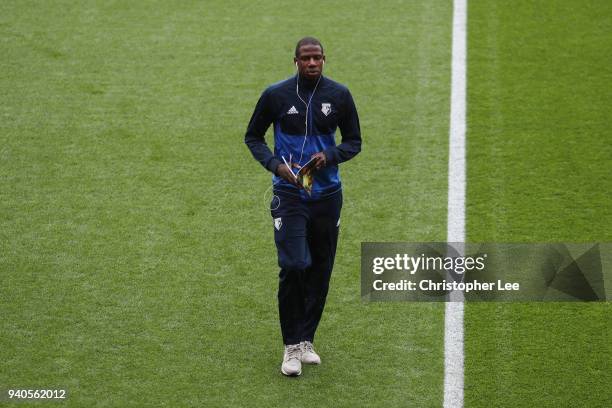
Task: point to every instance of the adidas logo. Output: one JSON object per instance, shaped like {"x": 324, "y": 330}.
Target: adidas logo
{"x": 292, "y": 111}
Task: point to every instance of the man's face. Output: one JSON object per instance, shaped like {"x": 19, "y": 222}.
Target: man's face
{"x": 310, "y": 61}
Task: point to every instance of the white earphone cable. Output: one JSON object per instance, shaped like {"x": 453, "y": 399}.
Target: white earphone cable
{"x": 297, "y": 91}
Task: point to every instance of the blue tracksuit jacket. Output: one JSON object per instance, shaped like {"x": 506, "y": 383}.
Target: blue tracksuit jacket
{"x": 330, "y": 107}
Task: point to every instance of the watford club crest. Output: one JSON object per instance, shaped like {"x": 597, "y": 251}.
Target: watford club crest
{"x": 326, "y": 108}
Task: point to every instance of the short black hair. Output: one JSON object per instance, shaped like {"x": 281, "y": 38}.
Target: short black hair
{"x": 307, "y": 41}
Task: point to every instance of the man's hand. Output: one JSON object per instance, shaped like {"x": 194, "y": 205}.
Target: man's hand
{"x": 284, "y": 172}
{"x": 320, "y": 160}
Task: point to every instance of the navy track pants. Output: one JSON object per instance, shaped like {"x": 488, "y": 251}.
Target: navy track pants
{"x": 306, "y": 235}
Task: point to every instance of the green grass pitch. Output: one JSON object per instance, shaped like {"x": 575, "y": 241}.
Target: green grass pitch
{"x": 539, "y": 165}
{"x": 137, "y": 263}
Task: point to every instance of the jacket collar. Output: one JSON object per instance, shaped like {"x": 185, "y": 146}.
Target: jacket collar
{"x": 308, "y": 84}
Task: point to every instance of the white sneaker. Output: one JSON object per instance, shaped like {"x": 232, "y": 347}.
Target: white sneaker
{"x": 292, "y": 364}
{"x": 309, "y": 356}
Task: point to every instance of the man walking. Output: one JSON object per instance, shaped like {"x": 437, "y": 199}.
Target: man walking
{"x": 306, "y": 110}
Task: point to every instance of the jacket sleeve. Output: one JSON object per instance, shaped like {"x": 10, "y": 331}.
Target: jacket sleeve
{"x": 351, "y": 134}
{"x": 256, "y": 130}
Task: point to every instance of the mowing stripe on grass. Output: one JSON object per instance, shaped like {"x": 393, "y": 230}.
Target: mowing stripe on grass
{"x": 453, "y": 318}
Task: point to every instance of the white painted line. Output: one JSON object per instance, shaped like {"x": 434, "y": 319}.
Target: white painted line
{"x": 453, "y": 318}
